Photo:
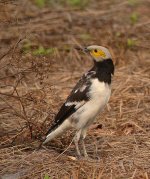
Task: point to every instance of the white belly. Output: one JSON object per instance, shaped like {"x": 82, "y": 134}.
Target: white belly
{"x": 99, "y": 96}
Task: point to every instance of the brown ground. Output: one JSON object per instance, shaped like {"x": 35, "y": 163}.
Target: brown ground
{"x": 32, "y": 87}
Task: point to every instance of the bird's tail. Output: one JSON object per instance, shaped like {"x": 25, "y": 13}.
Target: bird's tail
{"x": 57, "y": 131}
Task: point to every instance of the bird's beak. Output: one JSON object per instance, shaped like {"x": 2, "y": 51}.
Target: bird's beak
{"x": 85, "y": 50}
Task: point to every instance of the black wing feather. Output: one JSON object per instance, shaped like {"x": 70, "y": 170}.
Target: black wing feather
{"x": 82, "y": 95}
{"x": 64, "y": 112}
{"x": 76, "y": 95}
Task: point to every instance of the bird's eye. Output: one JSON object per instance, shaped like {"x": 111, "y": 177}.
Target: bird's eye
{"x": 95, "y": 50}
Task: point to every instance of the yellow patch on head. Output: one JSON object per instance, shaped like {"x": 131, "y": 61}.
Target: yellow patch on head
{"x": 98, "y": 53}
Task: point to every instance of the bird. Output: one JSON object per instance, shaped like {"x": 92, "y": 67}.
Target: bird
{"x": 87, "y": 99}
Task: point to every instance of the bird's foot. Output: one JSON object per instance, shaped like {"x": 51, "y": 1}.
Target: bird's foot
{"x": 97, "y": 158}
{"x": 81, "y": 158}
{"x": 85, "y": 158}
{"x": 89, "y": 159}
{"x": 92, "y": 159}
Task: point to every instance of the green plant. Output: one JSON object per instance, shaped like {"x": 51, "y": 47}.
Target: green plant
{"x": 40, "y": 3}
{"x": 26, "y": 47}
{"x": 117, "y": 34}
{"x": 132, "y": 2}
{"x": 78, "y": 3}
{"x": 134, "y": 18}
{"x": 46, "y": 176}
{"x": 85, "y": 36}
{"x": 131, "y": 43}
{"x": 42, "y": 51}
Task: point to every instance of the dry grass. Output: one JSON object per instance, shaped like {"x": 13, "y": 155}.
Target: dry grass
{"x": 33, "y": 87}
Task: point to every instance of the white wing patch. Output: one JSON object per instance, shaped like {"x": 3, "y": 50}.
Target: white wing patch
{"x": 77, "y": 104}
{"x": 83, "y": 88}
{"x": 76, "y": 91}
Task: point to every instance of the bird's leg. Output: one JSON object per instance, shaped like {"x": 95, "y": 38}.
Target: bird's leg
{"x": 83, "y": 135}
{"x": 77, "y": 148}
{"x": 76, "y": 141}
{"x": 84, "y": 148}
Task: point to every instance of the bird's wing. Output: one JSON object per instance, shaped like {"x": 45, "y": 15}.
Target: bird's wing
{"x": 77, "y": 98}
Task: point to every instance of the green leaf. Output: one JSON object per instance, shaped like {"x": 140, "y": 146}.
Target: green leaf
{"x": 43, "y": 51}
{"x": 38, "y": 51}
{"x": 134, "y": 18}
{"x": 49, "y": 51}
{"x": 85, "y": 36}
{"x": 118, "y": 34}
{"x": 79, "y": 3}
{"x": 132, "y": 2}
{"x": 40, "y": 3}
{"x": 46, "y": 176}
{"x": 131, "y": 43}
{"x": 26, "y": 47}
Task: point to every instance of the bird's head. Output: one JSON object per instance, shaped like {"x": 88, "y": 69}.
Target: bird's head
{"x": 98, "y": 53}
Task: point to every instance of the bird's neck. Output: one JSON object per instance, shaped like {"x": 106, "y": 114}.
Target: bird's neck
{"x": 104, "y": 70}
